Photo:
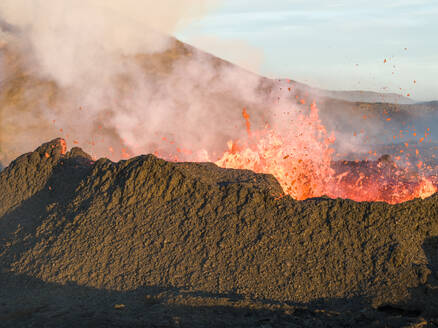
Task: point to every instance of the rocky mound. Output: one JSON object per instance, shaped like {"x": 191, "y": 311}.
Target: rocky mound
{"x": 146, "y": 242}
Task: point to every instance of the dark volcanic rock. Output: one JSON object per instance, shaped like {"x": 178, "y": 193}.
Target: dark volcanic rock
{"x": 186, "y": 244}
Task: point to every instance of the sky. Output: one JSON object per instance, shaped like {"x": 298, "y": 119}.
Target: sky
{"x": 337, "y": 45}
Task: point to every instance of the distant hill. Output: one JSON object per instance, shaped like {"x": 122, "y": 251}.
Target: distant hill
{"x": 368, "y": 96}
{"x": 355, "y": 95}
{"x": 431, "y": 104}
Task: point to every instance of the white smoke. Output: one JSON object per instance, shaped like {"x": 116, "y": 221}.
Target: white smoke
{"x": 107, "y": 76}
{"x": 73, "y": 39}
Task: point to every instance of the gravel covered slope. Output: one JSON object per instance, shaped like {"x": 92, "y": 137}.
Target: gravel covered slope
{"x": 205, "y": 237}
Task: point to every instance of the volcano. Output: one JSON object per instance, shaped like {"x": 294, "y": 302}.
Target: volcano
{"x": 185, "y": 105}
{"x": 149, "y": 243}
{"x": 34, "y": 107}
{"x": 261, "y": 202}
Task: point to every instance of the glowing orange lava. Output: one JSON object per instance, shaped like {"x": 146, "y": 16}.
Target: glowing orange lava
{"x": 300, "y": 158}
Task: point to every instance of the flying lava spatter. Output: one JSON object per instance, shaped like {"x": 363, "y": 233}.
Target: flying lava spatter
{"x": 301, "y": 159}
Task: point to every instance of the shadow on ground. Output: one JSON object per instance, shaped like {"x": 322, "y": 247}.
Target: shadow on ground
{"x": 29, "y": 302}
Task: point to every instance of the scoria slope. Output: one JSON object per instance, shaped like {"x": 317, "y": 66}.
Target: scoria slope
{"x": 77, "y": 236}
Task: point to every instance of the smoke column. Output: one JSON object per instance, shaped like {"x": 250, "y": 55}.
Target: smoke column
{"x": 107, "y": 76}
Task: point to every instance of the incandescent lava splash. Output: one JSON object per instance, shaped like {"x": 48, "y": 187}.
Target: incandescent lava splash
{"x": 300, "y": 157}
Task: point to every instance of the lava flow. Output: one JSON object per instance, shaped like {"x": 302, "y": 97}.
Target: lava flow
{"x": 300, "y": 158}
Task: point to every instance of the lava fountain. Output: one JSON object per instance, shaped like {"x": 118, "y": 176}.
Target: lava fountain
{"x": 300, "y": 157}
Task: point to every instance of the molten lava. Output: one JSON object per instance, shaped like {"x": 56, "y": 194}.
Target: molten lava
{"x": 300, "y": 156}
{"x": 301, "y": 160}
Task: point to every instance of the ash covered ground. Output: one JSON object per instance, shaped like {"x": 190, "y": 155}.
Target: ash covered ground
{"x": 150, "y": 243}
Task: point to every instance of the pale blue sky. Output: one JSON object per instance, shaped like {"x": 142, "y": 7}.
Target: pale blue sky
{"x": 329, "y": 44}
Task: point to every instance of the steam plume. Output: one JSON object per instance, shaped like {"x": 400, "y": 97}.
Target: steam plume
{"x": 107, "y": 76}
